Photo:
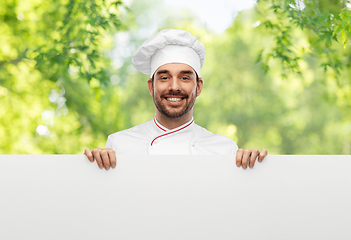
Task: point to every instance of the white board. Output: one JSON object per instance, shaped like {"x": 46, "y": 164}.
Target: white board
{"x": 175, "y": 197}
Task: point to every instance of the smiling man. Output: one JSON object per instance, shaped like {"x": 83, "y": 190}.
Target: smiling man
{"x": 173, "y": 59}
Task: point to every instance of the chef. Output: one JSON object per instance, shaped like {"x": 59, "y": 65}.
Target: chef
{"x": 173, "y": 59}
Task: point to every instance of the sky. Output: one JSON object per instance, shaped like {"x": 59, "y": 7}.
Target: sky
{"x": 218, "y": 15}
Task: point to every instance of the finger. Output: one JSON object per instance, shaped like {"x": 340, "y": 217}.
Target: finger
{"x": 262, "y": 155}
{"x": 239, "y": 156}
{"x": 87, "y": 153}
{"x": 105, "y": 159}
{"x": 96, "y": 153}
{"x": 245, "y": 158}
{"x": 113, "y": 159}
{"x": 253, "y": 157}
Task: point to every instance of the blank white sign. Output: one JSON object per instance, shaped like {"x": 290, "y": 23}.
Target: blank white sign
{"x": 175, "y": 197}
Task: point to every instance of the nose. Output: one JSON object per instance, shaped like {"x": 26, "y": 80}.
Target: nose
{"x": 174, "y": 84}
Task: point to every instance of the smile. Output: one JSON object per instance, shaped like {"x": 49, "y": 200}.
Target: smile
{"x": 174, "y": 99}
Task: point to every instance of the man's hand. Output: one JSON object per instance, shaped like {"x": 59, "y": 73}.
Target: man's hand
{"x": 105, "y": 157}
{"x": 243, "y": 157}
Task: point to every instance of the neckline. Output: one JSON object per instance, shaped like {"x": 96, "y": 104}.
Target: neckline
{"x": 174, "y": 130}
{"x": 164, "y": 129}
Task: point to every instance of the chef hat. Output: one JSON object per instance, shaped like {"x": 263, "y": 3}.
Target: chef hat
{"x": 169, "y": 46}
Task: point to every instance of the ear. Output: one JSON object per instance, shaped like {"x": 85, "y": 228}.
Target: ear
{"x": 150, "y": 87}
{"x": 199, "y": 87}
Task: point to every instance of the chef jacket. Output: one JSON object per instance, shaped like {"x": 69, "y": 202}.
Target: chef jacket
{"x": 153, "y": 138}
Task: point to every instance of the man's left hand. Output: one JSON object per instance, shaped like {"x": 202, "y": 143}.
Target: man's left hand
{"x": 247, "y": 156}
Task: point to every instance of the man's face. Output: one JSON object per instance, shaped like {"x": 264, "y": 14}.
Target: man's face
{"x": 175, "y": 89}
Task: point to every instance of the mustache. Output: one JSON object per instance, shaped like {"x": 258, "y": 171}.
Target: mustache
{"x": 175, "y": 93}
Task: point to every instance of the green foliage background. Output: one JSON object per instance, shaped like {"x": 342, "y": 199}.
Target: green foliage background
{"x": 278, "y": 78}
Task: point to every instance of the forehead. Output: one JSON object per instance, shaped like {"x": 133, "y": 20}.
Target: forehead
{"x": 175, "y": 68}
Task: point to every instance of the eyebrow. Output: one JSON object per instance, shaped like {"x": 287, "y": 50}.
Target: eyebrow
{"x": 162, "y": 71}
{"x": 187, "y": 72}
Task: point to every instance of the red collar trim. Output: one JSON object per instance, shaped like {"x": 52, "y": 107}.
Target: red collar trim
{"x": 159, "y": 126}
{"x": 171, "y": 131}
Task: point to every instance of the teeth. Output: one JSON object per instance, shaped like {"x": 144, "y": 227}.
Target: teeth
{"x": 174, "y": 99}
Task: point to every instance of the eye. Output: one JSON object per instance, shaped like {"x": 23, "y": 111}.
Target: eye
{"x": 185, "y": 78}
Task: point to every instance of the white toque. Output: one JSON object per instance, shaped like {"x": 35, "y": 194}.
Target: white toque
{"x": 169, "y": 46}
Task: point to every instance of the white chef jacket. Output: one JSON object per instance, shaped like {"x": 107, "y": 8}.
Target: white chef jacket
{"x": 153, "y": 138}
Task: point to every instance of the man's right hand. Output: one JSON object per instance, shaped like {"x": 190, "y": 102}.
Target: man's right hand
{"x": 105, "y": 157}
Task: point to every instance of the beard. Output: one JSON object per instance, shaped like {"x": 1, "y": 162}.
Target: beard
{"x": 174, "y": 111}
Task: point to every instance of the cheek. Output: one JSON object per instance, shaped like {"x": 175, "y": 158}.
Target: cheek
{"x": 157, "y": 91}
{"x": 160, "y": 88}
{"x": 189, "y": 88}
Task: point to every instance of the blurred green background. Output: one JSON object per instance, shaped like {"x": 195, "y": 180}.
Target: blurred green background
{"x": 277, "y": 78}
